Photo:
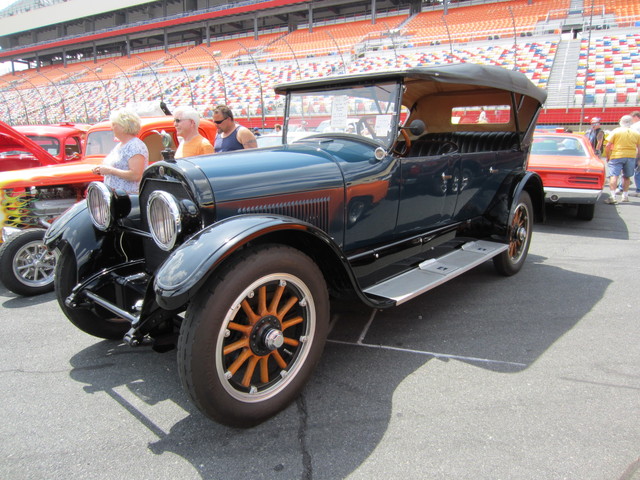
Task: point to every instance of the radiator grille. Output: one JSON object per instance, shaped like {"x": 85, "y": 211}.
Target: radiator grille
{"x": 314, "y": 211}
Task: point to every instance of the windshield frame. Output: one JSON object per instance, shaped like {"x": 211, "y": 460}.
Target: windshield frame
{"x": 379, "y": 102}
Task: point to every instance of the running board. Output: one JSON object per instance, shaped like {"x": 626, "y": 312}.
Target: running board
{"x": 436, "y": 271}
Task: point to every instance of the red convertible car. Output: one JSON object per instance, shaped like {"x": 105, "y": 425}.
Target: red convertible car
{"x": 572, "y": 173}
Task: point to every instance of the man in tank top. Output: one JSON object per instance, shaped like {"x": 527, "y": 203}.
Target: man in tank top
{"x": 231, "y": 136}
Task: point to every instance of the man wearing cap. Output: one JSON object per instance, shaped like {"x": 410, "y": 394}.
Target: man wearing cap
{"x": 623, "y": 145}
{"x": 595, "y": 135}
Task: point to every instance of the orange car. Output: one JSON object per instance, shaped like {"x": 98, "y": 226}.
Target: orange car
{"x": 31, "y": 198}
{"x": 571, "y": 171}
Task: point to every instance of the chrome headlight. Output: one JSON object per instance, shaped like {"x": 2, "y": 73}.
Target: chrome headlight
{"x": 99, "y": 201}
{"x": 106, "y": 205}
{"x": 165, "y": 222}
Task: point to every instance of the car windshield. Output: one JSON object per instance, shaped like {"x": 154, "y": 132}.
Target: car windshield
{"x": 100, "y": 142}
{"x": 367, "y": 111}
{"x": 557, "y": 146}
{"x": 50, "y": 144}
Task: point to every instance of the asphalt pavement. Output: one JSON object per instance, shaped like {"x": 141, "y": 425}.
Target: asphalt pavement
{"x": 535, "y": 376}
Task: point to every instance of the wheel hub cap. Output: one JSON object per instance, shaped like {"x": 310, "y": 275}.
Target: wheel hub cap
{"x": 521, "y": 234}
{"x": 266, "y": 335}
{"x": 273, "y": 339}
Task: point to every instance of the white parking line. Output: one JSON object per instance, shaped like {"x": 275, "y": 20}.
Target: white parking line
{"x": 430, "y": 354}
{"x": 360, "y": 343}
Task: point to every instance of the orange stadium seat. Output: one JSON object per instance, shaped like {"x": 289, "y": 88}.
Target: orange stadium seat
{"x": 242, "y": 71}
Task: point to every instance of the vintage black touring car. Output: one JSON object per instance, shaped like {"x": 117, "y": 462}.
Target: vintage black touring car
{"x": 235, "y": 258}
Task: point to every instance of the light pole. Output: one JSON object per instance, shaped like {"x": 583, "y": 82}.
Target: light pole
{"x": 224, "y": 86}
{"x": 259, "y": 81}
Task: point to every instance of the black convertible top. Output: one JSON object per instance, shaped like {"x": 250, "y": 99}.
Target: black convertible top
{"x": 488, "y": 76}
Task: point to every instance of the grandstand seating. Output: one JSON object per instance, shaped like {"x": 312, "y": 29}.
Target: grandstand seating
{"x": 622, "y": 9}
{"x": 330, "y": 39}
{"x": 479, "y": 22}
{"x": 242, "y": 71}
{"x": 609, "y": 70}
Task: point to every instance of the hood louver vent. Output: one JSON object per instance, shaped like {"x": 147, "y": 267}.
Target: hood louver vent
{"x": 313, "y": 211}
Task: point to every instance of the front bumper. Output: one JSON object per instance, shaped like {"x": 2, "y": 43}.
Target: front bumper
{"x": 576, "y": 196}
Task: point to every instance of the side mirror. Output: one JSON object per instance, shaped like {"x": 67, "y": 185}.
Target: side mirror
{"x": 417, "y": 127}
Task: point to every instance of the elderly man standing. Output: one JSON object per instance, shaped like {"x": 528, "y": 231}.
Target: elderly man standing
{"x": 187, "y": 121}
{"x": 623, "y": 145}
{"x": 231, "y": 136}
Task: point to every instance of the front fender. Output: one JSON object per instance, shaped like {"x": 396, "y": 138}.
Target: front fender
{"x": 75, "y": 228}
{"x": 185, "y": 271}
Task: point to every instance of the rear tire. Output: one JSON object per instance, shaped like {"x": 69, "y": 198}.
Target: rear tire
{"x": 26, "y": 266}
{"x": 511, "y": 261}
{"x": 66, "y": 277}
{"x": 253, "y": 336}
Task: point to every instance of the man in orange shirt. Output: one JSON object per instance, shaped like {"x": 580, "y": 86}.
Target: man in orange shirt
{"x": 187, "y": 121}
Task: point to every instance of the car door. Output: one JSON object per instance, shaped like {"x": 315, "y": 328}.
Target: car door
{"x": 480, "y": 175}
{"x": 428, "y": 191}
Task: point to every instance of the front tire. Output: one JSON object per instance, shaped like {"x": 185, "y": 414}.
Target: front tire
{"x": 252, "y": 338}
{"x": 26, "y": 266}
{"x": 511, "y": 261}
{"x": 66, "y": 277}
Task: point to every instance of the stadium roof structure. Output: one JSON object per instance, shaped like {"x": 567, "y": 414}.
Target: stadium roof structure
{"x": 161, "y": 24}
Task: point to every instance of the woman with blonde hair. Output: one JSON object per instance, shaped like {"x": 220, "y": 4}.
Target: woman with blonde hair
{"x": 122, "y": 168}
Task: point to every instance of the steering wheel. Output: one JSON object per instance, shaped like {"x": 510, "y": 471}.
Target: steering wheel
{"x": 406, "y": 148}
{"x": 363, "y": 126}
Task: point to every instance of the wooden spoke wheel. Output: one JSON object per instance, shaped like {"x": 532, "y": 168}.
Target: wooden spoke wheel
{"x": 520, "y": 230}
{"x": 247, "y": 349}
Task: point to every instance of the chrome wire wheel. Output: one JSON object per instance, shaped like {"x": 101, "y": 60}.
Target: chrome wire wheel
{"x": 26, "y": 266}
{"x": 266, "y": 337}
{"x": 34, "y": 265}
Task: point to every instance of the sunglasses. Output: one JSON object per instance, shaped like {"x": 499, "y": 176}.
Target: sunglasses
{"x": 218, "y": 122}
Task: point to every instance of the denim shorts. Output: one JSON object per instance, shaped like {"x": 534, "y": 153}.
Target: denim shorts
{"x": 624, "y": 165}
